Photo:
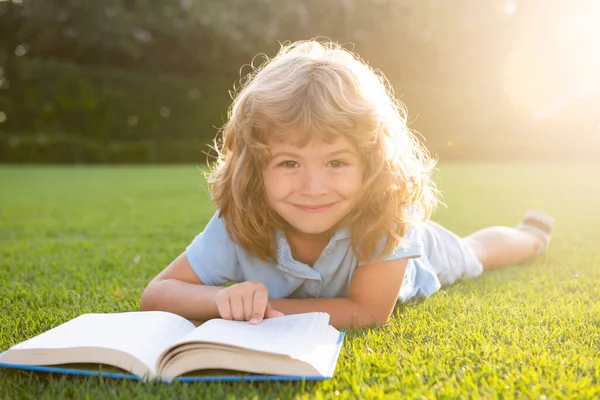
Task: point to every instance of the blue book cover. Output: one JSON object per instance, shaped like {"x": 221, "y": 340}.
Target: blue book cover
{"x": 165, "y": 347}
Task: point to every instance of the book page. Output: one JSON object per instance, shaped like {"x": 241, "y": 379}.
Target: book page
{"x": 288, "y": 335}
{"x": 323, "y": 357}
{"x": 144, "y": 335}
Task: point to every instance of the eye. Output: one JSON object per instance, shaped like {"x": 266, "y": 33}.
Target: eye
{"x": 288, "y": 164}
{"x": 337, "y": 164}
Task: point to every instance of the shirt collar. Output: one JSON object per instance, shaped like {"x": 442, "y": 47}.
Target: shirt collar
{"x": 343, "y": 233}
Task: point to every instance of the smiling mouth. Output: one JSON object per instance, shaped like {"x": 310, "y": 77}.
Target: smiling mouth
{"x": 314, "y": 209}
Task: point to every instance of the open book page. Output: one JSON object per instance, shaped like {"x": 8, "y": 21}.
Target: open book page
{"x": 287, "y": 335}
{"x": 323, "y": 357}
{"x": 144, "y": 335}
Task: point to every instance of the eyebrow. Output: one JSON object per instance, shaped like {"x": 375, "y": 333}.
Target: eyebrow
{"x": 328, "y": 155}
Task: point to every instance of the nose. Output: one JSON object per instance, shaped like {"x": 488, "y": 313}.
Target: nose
{"x": 314, "y": 182}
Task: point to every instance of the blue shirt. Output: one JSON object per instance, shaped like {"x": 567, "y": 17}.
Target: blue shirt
{"x": 217, "y": 260}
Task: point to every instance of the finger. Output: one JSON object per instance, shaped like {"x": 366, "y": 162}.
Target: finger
{"x": 271, "y": 313}
{"x": 224, "y": 308}
{"x": 274, "y": 314}
{"x": 259, "y": 305}
{"x": 248, "y": 300}
{"x": 237, "y": 308}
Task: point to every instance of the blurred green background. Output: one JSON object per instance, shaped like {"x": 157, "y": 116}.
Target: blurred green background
{"x": 149, "y": 80}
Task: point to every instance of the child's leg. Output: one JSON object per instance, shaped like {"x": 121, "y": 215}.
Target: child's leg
{"x": 499, "y": 246}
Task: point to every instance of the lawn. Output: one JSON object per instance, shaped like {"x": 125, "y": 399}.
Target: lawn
{"x": 88, "y": 239}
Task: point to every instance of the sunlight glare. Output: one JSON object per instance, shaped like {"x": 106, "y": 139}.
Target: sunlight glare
{"x": 556, "y": 66}
{"x": 510, "y": 7}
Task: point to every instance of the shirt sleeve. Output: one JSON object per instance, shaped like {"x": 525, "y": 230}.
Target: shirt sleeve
{"x": 213, "y": 256}
{"x": 411, "y": 248}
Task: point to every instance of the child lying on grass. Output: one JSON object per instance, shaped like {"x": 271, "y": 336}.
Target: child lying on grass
{"x": 324, "y": 198}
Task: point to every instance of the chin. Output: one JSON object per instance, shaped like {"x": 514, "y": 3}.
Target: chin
{"x": 316, "y": 231}
{"x": 313, "y": 229}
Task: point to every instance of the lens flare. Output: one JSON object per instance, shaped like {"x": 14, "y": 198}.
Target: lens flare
{"x": 553, "y": 71}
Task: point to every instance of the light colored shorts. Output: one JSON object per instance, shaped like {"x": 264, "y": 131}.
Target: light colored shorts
{"x": 445, "y": 259}
{"x": 447, "y": 253}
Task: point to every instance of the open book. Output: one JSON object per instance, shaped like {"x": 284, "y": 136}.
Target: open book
{"x": 164, "y": 346}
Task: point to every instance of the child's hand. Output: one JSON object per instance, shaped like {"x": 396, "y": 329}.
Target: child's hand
{"x": 246, "y": 301}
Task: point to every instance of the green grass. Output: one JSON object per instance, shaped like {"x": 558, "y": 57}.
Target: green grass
{"x": 88, "y": 239}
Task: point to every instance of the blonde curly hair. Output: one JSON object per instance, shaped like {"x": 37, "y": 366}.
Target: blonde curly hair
{"x": 322, "y": 90}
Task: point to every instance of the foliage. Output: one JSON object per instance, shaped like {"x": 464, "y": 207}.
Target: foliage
{"x": 72, "y": 114}
{"x": 157, "y": 35}
{"x": 77, "y": 70}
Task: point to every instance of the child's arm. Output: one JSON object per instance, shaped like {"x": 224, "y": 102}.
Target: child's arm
{"x": 177, "y": 289}
{"x": 371, "y": 298}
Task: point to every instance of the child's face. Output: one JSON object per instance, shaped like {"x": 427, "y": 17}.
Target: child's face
{"x": 313, "y": 187}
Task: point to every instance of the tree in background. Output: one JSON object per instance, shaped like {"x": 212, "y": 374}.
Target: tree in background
{"x": 150, "y": 70}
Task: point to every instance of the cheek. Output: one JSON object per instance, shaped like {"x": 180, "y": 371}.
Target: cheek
{"x": 351, "y": 188}
{"x": 350, "y": 184}
{"x": 277, "y": 186}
